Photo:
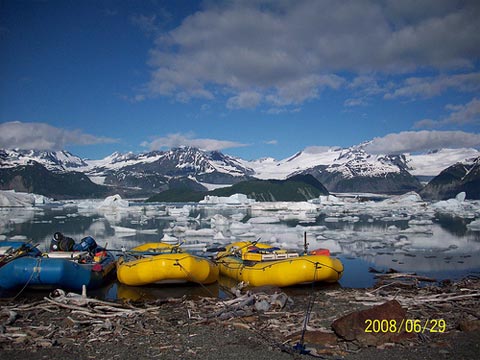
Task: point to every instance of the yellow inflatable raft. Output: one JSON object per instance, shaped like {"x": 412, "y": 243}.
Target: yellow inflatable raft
{"x": 143, "y": 266}
{"x": 261, "y": 264}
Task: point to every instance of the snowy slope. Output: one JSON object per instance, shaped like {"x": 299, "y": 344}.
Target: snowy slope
{"x": 354, "y": 161}
{"x": 434, "y": 162}
{"x": 186, "y": 161}
{"x": 351, "y": 162}
{"x": 269, "y": 168}
{"x": 52, "y": 160}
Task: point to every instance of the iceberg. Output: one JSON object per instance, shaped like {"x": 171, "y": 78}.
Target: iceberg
{"x": 230, "y": 200}
{"x": 460, "y": 197}
{"x": 408, "y": 198}
{"x": 264, "y": 220}
{"x": 169, "y": 239}
{"x": 474, "y": 225}
{"x": 113, "y": 202}
{"x": 182, "y": 212}
{"x": 11, "y": 198}
{"x": 326, "y": 200}
{"x": 123, "y": 229}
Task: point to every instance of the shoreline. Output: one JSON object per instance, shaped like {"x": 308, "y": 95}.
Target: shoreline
{"x": 71, "y": 326}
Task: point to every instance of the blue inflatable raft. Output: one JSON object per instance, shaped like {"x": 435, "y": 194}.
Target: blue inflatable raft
{"x": 23, "y": 265}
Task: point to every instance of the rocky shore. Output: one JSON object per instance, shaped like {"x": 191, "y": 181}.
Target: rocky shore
{"x": 440, "y": 321}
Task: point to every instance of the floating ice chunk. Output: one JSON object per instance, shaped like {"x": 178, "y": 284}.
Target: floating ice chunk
{"x": 147, "y": 231}
{"x": 249, "y": 234}
{"x": 418, "y": 230}
{"x": 237, "y": 216}
{"x": 122, "y": 229}
{"x": 18, "y": 238}
{"x": 232, "y": 199}
{"x": 393, "y": 229}
{"x": 284, "y": 205}
{"x": 219, "y": 236}
{"x": 87, "y": 204}
{"x": 474, "y": 225}
{"x": 420, "y": 222}
{"x": 114, "y": 202}
{"x": 395, "y": 217}
{"x": 410, "y": 197}
{"x": 351, "y": 219}
{"x": 461, "y": 196}
{"x": 264, "y": 220}
{"x": 184, "y": 211}
{"x": 327, "y": 200}
{"x": 10, "y": 198}
{"x": 169, "y": 239}
{"x": 219, "y": 220}
{"x": 40, "y": 199}
{"x": 448, "y": 206}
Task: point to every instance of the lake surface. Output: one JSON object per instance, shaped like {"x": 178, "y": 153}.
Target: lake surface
{"x": 438, "y": 240}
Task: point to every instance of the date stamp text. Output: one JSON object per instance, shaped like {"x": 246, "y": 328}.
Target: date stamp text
{"x": 408, "y": 325}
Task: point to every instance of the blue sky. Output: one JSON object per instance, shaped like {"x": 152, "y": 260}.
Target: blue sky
{"x": 249, "y": 78}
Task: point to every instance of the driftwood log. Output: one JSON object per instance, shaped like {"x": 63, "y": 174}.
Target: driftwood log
{"x": 65, "y": 318}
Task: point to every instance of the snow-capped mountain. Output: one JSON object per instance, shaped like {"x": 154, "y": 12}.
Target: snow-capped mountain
{"x": 354, "y": 170}
{"x": 52, "y": 160}
{"x": 338, "y": 169}
{"x": 156, "y": 169}
{"x": 428, "y": 164}
{"x": 434, "y": 162}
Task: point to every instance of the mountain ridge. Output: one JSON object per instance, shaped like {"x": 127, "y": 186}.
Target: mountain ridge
{"x": 338, "y": 169}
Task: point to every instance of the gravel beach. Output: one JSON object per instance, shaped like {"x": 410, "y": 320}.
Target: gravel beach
{"x": 198, "y": 328}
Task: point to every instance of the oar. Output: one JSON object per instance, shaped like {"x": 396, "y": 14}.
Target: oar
{"x": 251, "y": 243}
{"x": 16, "y": 253}
{"x": 215, "y": 249}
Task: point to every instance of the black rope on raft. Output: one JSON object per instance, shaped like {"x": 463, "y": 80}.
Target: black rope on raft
{"x": 300, "y": 346}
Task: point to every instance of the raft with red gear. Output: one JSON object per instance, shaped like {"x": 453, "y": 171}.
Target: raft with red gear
{"x": 23, "y": 265}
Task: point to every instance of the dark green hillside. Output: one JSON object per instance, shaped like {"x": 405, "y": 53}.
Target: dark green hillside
{"x": 297, "y": 188}
{"x": 35, "y": 178}
{"x": 454, "y": 179}
{"x": 178, "y": 195}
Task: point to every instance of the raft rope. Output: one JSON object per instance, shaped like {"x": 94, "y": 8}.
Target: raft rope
{"x": 300, "y": 346}
{"x": 267, "y": 339}
{"x": 269, "y": 264}
{"x": 37, "y": 265}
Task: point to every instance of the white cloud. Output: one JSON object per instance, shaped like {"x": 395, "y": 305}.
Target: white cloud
{"x": 459, "y": 115}
{"x": 354, "y": 102}
{"x": 287, "y": 52}
{"x": 41, "y": 136}
{"x": 271, "y": 142}
{"x": 412, "y": 141}
{"x": 428, "y": 87}
{"x": 177, "y": 140}
{"x": 247, "y": 99}
{"x": 319, "y": 149}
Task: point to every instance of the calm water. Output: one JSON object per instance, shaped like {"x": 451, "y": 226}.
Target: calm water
{"x": 406, "y": 239}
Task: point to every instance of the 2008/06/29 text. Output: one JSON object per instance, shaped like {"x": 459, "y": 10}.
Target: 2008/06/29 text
{"x": 409, "y": 325}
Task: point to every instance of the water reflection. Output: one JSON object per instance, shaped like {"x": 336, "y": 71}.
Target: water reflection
{"x": 411, "y": 238}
